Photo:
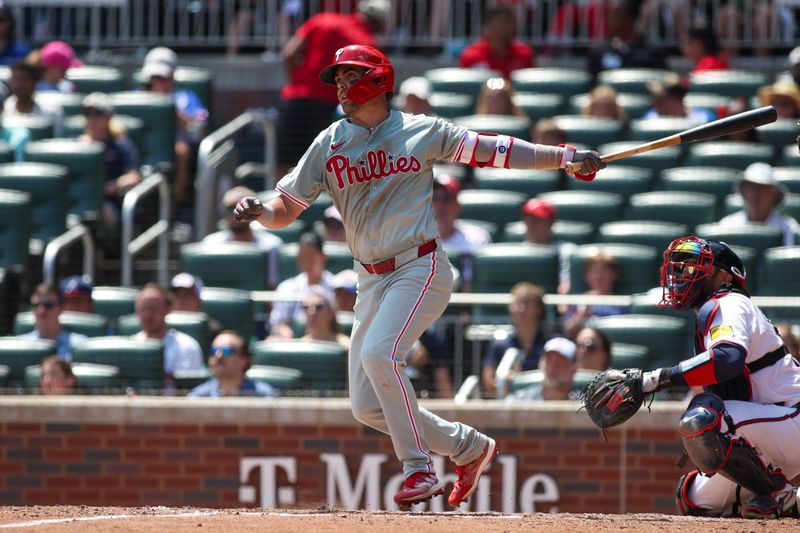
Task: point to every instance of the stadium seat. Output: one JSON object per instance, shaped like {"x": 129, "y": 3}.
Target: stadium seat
{"x": 233, "y": 308}
{"x": 789, "y": 177}
{"x": 646, "y": 303}
{"x": 280, "y": 377}
{"x": 87, "y": 173}
{"x": 655, "y": 160}
{"x": 563, "y": 81}
{"x": 91, "y": 78}
{"x": 157, "y": 112}
{"x": 635, "y": 105}
{"x": 500, "y": 207}
{"x": 323, "y": 364}
{"x": 290, "y": 233}
{"x": 778, "y": 273}
{"x": 193, "y": 324}
{"x": 498, "y": 267}
{"x": 690, "y": 208}
{"x": 338, "y": 253}
{"x": 47, "y": 185}
{"x": 113, "y": 302}
{"x": 619, "y": 179}
{"x": 759, "y": 237}
{"x": 586, "y": 206}
{"x": 563, "y": 231}
{"x": 451, "y": 105}
{"x": 725, "y": 154}
{"x": 779, "y": 133}
{"x": 591, "y": 131}
{"x": 655, "y": 128}
{"x": 89, "y": 377}
{"x": 15, "y": 227}
{"x": 645, "y": 232}
{"x": 4, "y": 370}
{"x": 666, "y": 338}
{"x": 712, "y": 180}
{"x": 529, "y": 182}
{"x": 789, "y": 156}
{"x": 625, "y": 355}
{"x": 18, "y": 354}
{"x": 538, "y": 105}
{"x": 789, "y": 206}
{"x": 501, "y": 124}
{"x": 731, "y": 83}
{"x": 638, "y": 266}
{"x": 458, "y": 80}
{"x": 68, "y": 104}
{"x": 233, "y": 265}
{"x": 631, "y": 80}
{"x": 134, "y": 128}
{"x": 6, "y": 153}
{"x": 140, "y": 363}
{"x": 706, "y": 101}
{"x": 89, "y": 324}
{"x": 39, "y": 127}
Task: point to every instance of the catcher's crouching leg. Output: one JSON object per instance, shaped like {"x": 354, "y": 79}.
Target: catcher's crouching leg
{"x": 713, "y": 451}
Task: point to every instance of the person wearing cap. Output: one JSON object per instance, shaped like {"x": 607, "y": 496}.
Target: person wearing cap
{"x": 784, "y": 96}
{"x": 76, "y": 293}
{"x": 185, "y": 290}
{"x": 320, "y": 318}
{"x": 415, "y": 93}
{"x": 762, "y": 193}
{"x": 307, "y": 105}
{"x": 539, "y": 217}
{"x": 236, "y": 231}
{"x": 498, "y": 49}
{"x": 344, "y": 290}
{"x": 700, "y": 46}
{"x": 55, "y": 58}
{"x": 332, "y": 225}
{"x": 558, "y": 370}
{"x": 121, "y": 156}
{"x": 11, "y": 49}
{"x": 47, "y": 305}
{"x": 667, "y": 100}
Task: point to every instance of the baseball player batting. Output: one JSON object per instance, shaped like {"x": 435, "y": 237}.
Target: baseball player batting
{"x": 376, "y": 165}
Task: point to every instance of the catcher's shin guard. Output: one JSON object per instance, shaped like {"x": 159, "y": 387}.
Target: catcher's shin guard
{"x": 685, "y": 505}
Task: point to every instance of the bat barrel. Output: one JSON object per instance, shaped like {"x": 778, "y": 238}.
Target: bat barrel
{"x": 731, "y": 124}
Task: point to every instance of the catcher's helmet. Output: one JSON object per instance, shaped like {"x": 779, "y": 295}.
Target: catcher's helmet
{"x": 378, "y": 79}
{"x": 688, "y": 262}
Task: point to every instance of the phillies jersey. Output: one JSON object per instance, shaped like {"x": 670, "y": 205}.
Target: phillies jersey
{"x": 380, "y": 179}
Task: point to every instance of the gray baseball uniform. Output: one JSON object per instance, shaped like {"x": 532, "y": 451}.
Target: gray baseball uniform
{"x": 380, "y": 180}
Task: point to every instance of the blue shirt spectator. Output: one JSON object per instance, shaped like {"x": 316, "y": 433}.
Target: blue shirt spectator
{"x": 211, "y": 389}
{"x": 17, "y": 138}
{"x": 11, "y": 50}
{"x": 47, "y": 304}
{"x": 499, "y": 346}
{"x": 65, "y": 340}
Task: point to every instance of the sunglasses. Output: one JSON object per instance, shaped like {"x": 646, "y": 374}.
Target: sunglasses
{"x": 226, "y": 351}
{"x": 93, "y": 113}
{"x": 46, "y": 305}
{"x": 589, "y": 345}
{"x": 315, "y": 307}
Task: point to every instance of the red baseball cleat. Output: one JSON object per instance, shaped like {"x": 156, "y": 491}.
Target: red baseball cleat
{"x": 470, "y": 473}
{"x": 418, "y": 487}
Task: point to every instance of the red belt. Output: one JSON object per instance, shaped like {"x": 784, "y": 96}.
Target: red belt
{"x": 384, "y": 267}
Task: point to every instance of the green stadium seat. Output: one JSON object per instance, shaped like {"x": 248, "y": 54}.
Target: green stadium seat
{"x": 134, "y": 128}
{"x": 86, "y": 164}
{"x": 726, "y": 154}
{"x": 186, "y": 380}
{"x": 140, "y": 363}
{"x": 618, "y": 179}
{"x": 193, "y": 324}
{"x": 89, "y": 377}
{"x": 711, "y": 180}
{"x": 18, "y": 354}
{"x": 631, "y": 80}
{"x": 68, "y": 104}
{"x": 89, "y": 324}
{"x": 529, "y": 182}
{"x": 706, "y": 101}
{"x": 788, "y": 176}
{"x": 655, "y": 160}
{"x": 790, "y": 205}
{"x": 789, "y": 156}
{"x": 779, "y": 133}
{"x": 666, "y": 338}
{"x": 113, "y": 302}
{"x": 6, "y": 153}
{"x": 731, "y": 83}
{"x": 233, "y": 265}
{"x": 522, "y": 380}
{"x": 563, "y": 231}
{"x": 501, "y": 124}
{"x": 290, "y": 233}
{"x": 500, "y": 207}
{"x": 157, "y": 113}
{"x": 323, "y": 364}
{"x": 91, "y": 78}
{"x": 638, "y": 266}
{"x": 15, "y": 227}
{"x": 655, "y": 128}
{"x": 458, "y": 80}
{"x": 539, "y": 105}
{"x": 233, "y": 308}
{"x": 346, "y": 320}
{"x": 625, "y": 355}
{"x": 646, "y": 303}
{"x": 47, "y": 185}
{"x": 338, "y": 253}
{"x": 690, "y": 208}
{"x": 563, "y": 81}
{"x": 451, "y": 105}
{"x": 778, "y": 273}
{"x": 759, "y": 237}
{"x": 644, "y": 232}
{"x": 314, "y": 211}
{"x": 586, "y": 206}
{"x": 39, "y": 127}
{"x": 498, "y": 267}
{"x": 4, "y": 370}
{"x": 591, "y": 131}
{"x": 281, "y": 378}
{"x": 635, "y": 105}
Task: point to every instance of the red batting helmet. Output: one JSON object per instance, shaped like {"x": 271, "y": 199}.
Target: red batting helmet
{"x": 378, "y": 79}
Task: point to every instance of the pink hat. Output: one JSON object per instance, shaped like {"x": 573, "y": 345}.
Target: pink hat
{"x": 58, "y": 54}
{"x": 540, "y": 209}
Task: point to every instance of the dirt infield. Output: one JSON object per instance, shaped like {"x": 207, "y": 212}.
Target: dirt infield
{"x": 149, "y": 519}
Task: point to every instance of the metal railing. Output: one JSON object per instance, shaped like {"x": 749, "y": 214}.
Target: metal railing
{"x": 218, "y": 157}
{"x": 160, "y": 230}
{"x": 61, "y": 243}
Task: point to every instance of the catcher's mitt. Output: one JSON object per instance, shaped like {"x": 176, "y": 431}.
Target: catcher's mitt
{"x": 613, "y": 396}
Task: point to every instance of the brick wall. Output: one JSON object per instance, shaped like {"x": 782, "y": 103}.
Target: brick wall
{"x": 164, "y": 451}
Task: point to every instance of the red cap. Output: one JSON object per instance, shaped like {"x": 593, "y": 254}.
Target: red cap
{"x": 540, "y": 209}
{"x": 450, "y": 183}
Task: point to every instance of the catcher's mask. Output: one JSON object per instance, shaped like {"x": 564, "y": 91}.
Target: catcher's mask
{"x": 378, "y": 79}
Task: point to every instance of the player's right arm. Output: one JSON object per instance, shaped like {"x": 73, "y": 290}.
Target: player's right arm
{"x": 276, "y": 213}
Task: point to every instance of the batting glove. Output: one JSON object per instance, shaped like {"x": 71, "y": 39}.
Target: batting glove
{"x": 248, "y": 209}
{"x": 590, "y": 163}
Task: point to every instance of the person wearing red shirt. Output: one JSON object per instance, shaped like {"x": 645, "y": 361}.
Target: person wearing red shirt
{"x": 306, "y": 104}
{"x": 498, "y": 49}
{"x": 700, "y": 46}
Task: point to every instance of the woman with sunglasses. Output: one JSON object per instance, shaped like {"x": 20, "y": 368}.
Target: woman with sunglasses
{"x": 593, "y": 350}
{"x": 321, "y": 322}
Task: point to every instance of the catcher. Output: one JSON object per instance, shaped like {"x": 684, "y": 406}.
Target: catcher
{"x": 742, "y": 432}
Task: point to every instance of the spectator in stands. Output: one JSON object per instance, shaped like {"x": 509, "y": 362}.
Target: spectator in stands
{"x": 600, "y": 273}
{"x": 794, "y": 65}
{"x": 497, "y": 98}
{"x": 76, "y": 293}
{"x": 603, "y": 103}
{"x": 699, "y": 45}
{"x": 333, "y": 226}
{"x": 344, "y": 290}
{"x": 121, "y": 156}
{"x": 625, "y": 47}
{"x": 789, "y": 339}
{"x": 593, "y": 350}
{"x": 186, "y": 290}
{"x": 762, "y": 193}
{"x": 47, "y": 306}
{"x": 56, "y": 376}
{"x": 784, "y": 96}
{"x": 498, "y": 49}
{"x": 457, "y": 236}
{"x": 237, "y": 231}
{"x": 306, "y": 104}
{"x": 667, "y": 100}
{"x": 546, "y": 131}
{"x": 558, "y": 368}
{"x": 320, "y": 317}
{"x": 229, "y": 361}
{"x": 415, "y": 93}
{"x": 158, "y": 71}
{"x": 527, "y": 312}
{"x": 430, "y": 365}
{"x": 55, "y": 58}
{"x": 22, "y": 85}
{"x": 539, "y": 217}
{"x": 181, "y": 352}
{"x": 11, "y": 50}
{"x": 311, "y": 261}
{"x": 16, "y": 137}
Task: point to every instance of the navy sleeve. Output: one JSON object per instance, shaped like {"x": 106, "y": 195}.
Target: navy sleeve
{"x": 720, "y": 363}
{"x": 494, "y": 354}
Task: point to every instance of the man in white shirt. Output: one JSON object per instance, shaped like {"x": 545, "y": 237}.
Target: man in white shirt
{"x": 762, "y": 193}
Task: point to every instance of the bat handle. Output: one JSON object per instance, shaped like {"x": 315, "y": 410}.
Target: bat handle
{"x": 573, "y": 167}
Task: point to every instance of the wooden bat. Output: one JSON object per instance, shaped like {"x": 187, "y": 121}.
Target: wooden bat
{"x": 717, "y": 128}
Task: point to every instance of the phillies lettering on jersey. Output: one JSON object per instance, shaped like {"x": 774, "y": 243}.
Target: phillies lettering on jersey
{"x": 374, "y": 166}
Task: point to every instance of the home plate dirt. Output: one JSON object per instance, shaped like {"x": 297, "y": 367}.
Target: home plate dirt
{"x": 80, "y": 519}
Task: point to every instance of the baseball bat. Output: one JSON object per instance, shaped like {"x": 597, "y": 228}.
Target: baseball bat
{"x": 717, "y": 128}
